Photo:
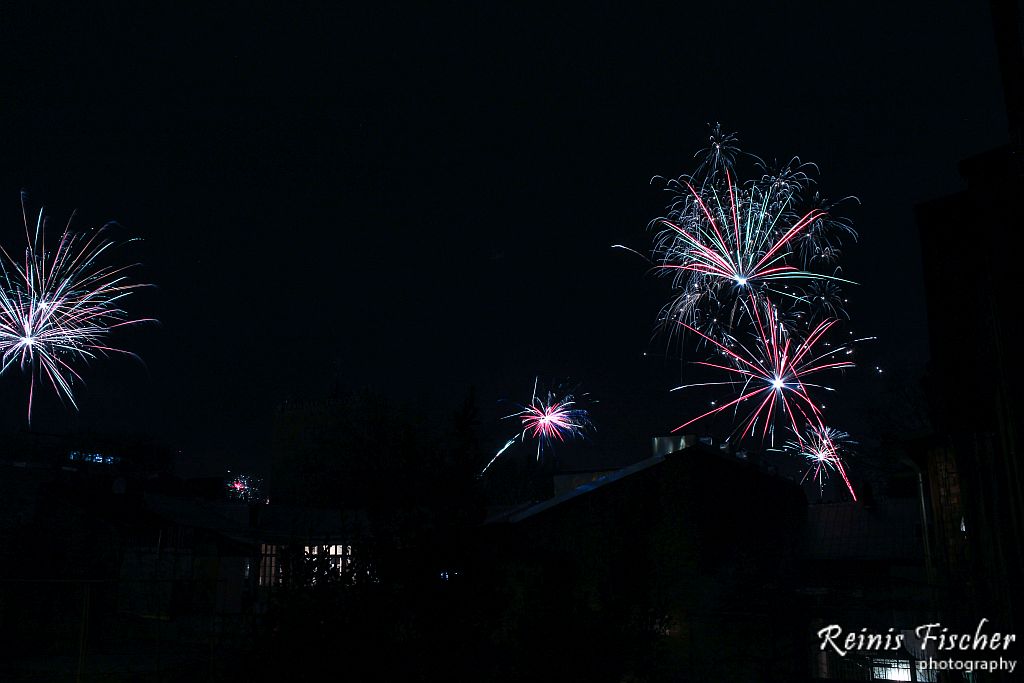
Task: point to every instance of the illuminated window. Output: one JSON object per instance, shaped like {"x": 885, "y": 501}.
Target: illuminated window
{"x": 927, "y": 675}
{"x": 338, "y": 557}
{"x": 891, "y": 670}
{"x": 270, "y": 568}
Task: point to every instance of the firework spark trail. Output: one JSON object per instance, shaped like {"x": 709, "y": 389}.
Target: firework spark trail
{"x": 497, "y": 455}
{"x": 57, "y": 310}
{"x": 774, "y": 372}
{"x": 547, "y": 419}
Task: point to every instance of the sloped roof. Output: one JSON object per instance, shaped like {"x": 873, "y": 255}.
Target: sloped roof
{"x": 519, "y": 513}
{"x": 585, "y": 488}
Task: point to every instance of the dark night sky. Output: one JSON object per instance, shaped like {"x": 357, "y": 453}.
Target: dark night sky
{"x": 419, "y": 200}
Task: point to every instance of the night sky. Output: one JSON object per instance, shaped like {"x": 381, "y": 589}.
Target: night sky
{"x": 420, "y": 200}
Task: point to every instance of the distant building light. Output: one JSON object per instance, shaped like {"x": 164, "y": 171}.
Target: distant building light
{"x": 99, "y": 458}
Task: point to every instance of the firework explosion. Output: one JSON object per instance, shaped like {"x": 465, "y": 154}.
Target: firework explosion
{"x": 722, "y": 240}
{"x": 58, "y": 306}
{"x": 754, "y": 268}
{"x": 244, "y": 488}
{"x": 773, "y": 375}
{"x": 820, "y": 447}
{"x": 549, "y": 417}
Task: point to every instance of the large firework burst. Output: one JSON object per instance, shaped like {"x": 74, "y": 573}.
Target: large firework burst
{"x": 771, "y": 374}
{"x": 59, "y": 305}
{"x": 722, "y": 239}
{"x": 754, "y": 266}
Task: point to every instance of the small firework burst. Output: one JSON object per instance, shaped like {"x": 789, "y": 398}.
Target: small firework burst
{"x": 822, "y": 447}
{"x": 548, "y": 418}
{"x": 244, "y": 488}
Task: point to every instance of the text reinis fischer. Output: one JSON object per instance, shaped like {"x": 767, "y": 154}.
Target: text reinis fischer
{"x": 929, "y": 634}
